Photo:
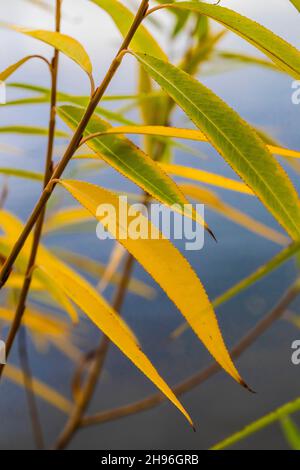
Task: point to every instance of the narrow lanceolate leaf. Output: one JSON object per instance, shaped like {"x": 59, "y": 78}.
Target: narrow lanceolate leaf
{"x": 282, "y": 257}
{"x": 282, "y": 53}
{"x": 128, "y": 159}
{"x": 65, "y": 44}
{"x": 296, "y": 4}
{"x": 108, "y": 321}
{"x": 30, "y": 130}
{"x": 206, "y": 177}
{"x": 95, "y": 307}
{"x": 166, "y": 265}
{"x": 123, "y": 18}
{"x": 239, "y": 145}
{"x": 207, "y": 197}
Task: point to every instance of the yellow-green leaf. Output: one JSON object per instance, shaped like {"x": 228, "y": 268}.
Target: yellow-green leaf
{"x": 282, "y": 53}
{"x": 239, "y": 145}
{"x": 123, "y": 18}
{"x": 167, "y": 266}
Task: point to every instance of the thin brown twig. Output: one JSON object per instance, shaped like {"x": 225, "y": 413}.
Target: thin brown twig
{"x": 200, "y": 377}
{"x": 47, "y": 176}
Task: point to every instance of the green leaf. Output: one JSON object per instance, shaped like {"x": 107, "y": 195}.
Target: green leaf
{"x": 282, "y": 53}
{"x": 123, "y": 19}
{"x": 128, "y": 159}
{"x": 296, "y": 4}
{"x": 239, "y": 145}
{"x": 65, "y": 44}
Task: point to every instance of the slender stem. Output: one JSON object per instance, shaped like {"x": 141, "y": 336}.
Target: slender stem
{"x": 47, "y": 176}
{"x": 73, "y": 145}
{"x": 202, "y": 376}
{"x": 96, "y": 367}
{"x": 28, "y": 383}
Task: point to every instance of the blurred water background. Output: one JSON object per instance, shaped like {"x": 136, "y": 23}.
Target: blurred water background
{"x": 219, "y": 407}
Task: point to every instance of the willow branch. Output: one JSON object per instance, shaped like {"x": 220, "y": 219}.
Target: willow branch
{"x": 200, "y": 377}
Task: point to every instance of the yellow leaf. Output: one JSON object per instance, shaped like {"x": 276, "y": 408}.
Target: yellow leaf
{"x": 37, "y": 322}
{"x": 168, "y": 267}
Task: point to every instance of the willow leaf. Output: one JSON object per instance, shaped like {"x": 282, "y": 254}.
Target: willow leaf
{"x": 40, "y": 389}
{"x": 206, "y": 197}
{"x": 274, "y": 263}
{"x": 123, "y": 19}
{"x": 12, "y": 68}
{"x": 167, "y": 266}
{"x": 282, "y": 53}
{"x": 239, "y": 145}
{"x": 128, "y": 159}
